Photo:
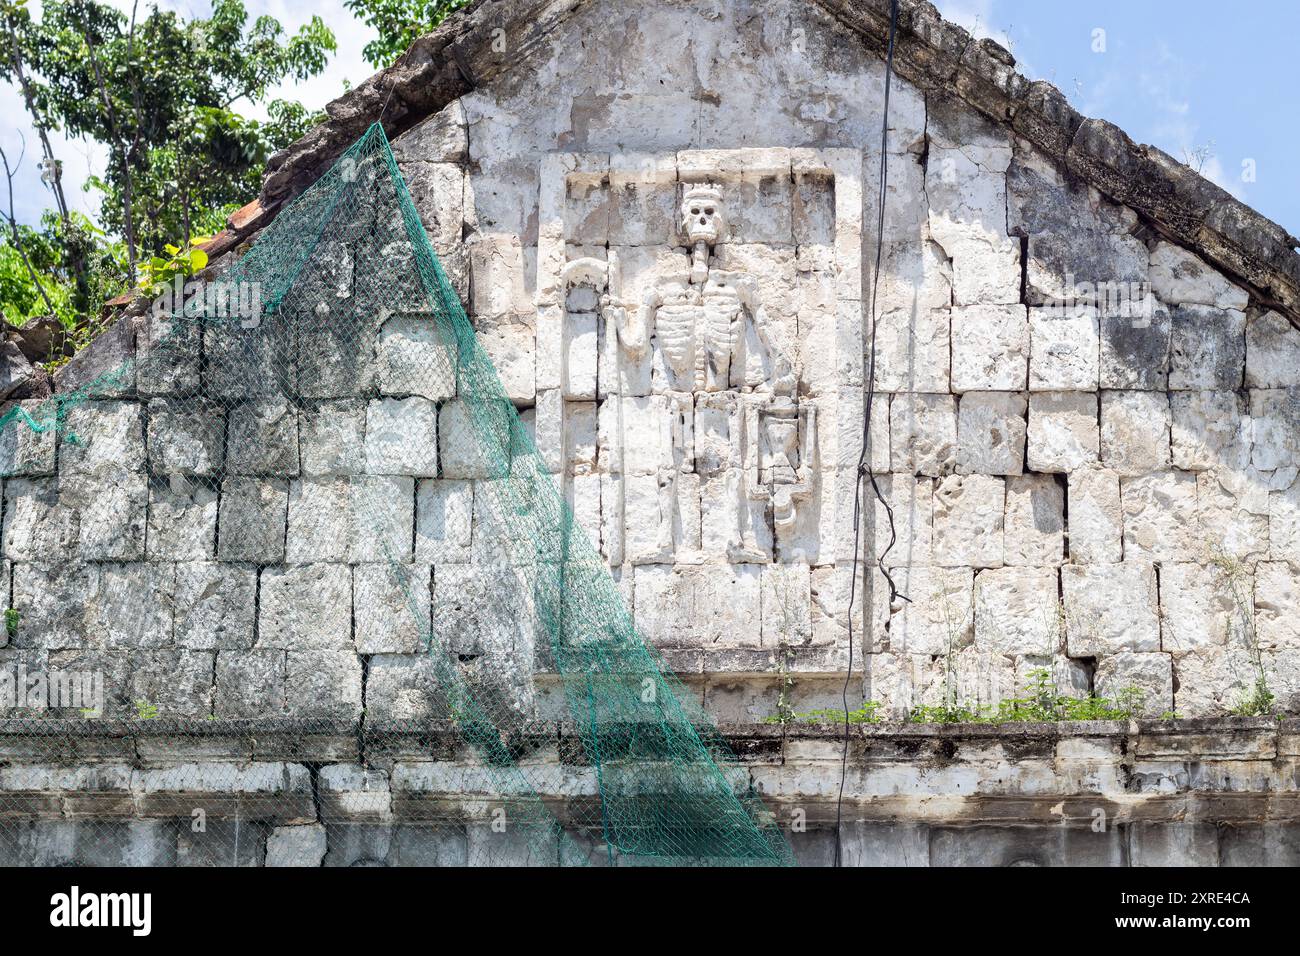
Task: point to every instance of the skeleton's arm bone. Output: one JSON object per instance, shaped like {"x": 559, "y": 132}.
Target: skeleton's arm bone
{"x": 783, "y": 370}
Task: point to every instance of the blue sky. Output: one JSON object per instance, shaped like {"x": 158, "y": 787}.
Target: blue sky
{"x": 1180, "y": 75}
{"x": 1185, "y": 75}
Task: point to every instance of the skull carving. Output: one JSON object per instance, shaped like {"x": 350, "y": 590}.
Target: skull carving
{"x": 702, "y": 216}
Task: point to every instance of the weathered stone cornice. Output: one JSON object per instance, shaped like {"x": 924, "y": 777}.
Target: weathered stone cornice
{"x": 1226, "y": 771}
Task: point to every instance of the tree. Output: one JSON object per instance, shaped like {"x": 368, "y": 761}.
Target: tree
{"x": 16, "y": 240}
{"x": 162, "y": 94}
{"x": 16, "y": 21}
{"x": 399, "y": 23}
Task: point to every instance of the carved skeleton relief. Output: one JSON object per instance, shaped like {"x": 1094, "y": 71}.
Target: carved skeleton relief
{"x": 709, "y": 445}
{"x": 697, "y": 325}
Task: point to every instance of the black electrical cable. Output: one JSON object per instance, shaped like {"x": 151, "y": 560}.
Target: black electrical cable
{"x": 864, "y": 467}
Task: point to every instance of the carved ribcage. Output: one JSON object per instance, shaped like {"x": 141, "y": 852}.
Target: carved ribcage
{"x": 675, "y": 330}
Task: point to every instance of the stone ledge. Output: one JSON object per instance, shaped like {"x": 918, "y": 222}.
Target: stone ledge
{"x": 1215, "y": 771}
{"x": 164, "y": 741}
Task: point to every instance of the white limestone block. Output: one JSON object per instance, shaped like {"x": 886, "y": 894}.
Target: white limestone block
{"x": 438, "y": 190}
{"x": 912, "y": 503}
{"x": 1284, "y": 523}
{"x": 548, "y": 428}
{"x": 1034, "y": 529}
{"x": 786, "y": 604}
{"x": 402, "y": 437}
{"x": 772, "y": 266}
{"x": 990, "y": 348}
{"x": 968, "y": 219}
{"x": 1096, "y": 516}
{"x": 1148, "y": 675}
{"x": 1135, "y": 348}
{"x": 991, "y": 433}
{"x": 1213, "y": 681}
{"x": 899, "y": 682}
{"x": 642, "y": 435}
{"x": 1064, "y": 434}
{"x": 914, "y": 276}
{"x": 912, "y": 351}
{"x": 1065, "y": 349}
{"x": 1017, "y": 611}
{"x": 1232, "y": 515}
{"x": 1087, "y": 263}
{"x": 444, "y": 512}
{"x": 648, "y": 519}
{"x": 490, "y": 618}
{"x": 323, "y": 683}
{"x": 499, "y": 285}
{"x": 1135, "y": 428}
{"x": 731, "y": 522}
{"x": 1207, "y": 347}
{"x": 473, "y": 442}
{"x": 102, "y": 436}
{"x": 699, "y": 606}
{"x": 580, "y": 437}
{"x": 1272, "y": 352}
{"x": 506, "y": 525}
{"x": 1203, "y": 606}
{"x": 1282, "y": 670}
{"x": 1160, "y": 517}
{"x": 185, "y": 438}
{"x": 969, "y": 521}
{"x": 302, "y": 846}
{"x": 252, "y": 520}
{"x": 612, "y": 539}
{"x": 24, "y": 450}
{"x": 364, "y": 518}
{"x": 974, "y": 678}
{"x": 442, "y": 138}
{"x": 1209, "y": 430}
{"x": 830, "y": 588}
{"x": 332, "y": 439}
{"x": 262, "y": 438}
{"x": 305, "y": 607}
{"x": 923, "y": 434}
{"x": 214, "y": 606}
{"x": 1275, "y": 428}
{"x": 182, "y": 520}
{"x": 1277, "y": 604}
{"x": 511, "y": 345}
{"x": 938, "y": 618}
{"x": 415, "y": 355}
{"x": 580, "y": 354}
{"x": 582, "y": 494}
{"x": 1182, "y": 277}
{"x": 1110, "y": 608}
{"x": 391, "y": 608}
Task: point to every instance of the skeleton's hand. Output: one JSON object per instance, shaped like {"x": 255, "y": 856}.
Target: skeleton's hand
{"x": 783, "y": 379}
{"x": 631, "y": 332}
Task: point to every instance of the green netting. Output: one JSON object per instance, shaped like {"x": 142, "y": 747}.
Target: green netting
{"x": 357, "y": 321}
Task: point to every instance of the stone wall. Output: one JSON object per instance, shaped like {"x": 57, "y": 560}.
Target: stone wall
{"x": 1087, "y": 436}
{"x": 1146, "y": 793}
